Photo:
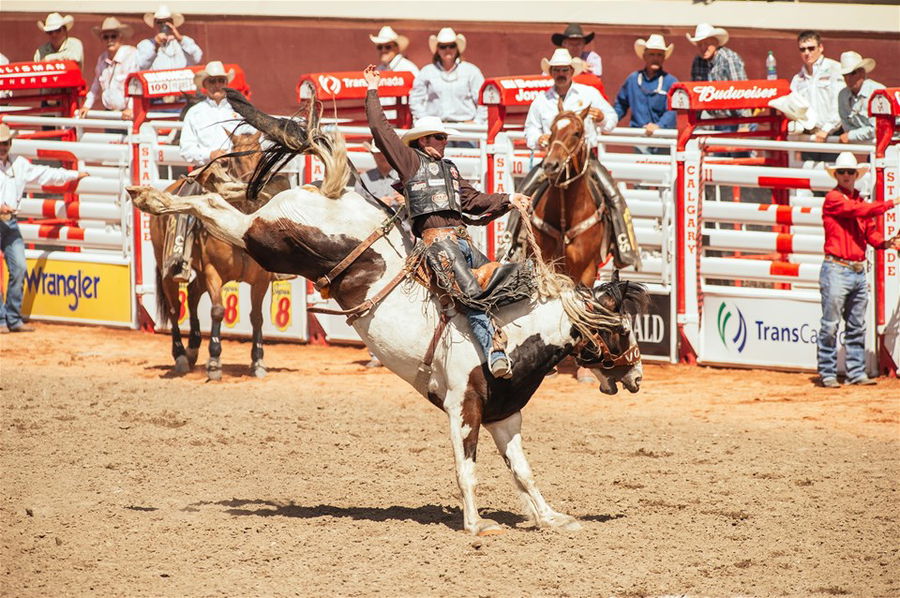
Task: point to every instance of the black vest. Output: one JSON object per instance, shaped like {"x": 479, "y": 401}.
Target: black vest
{"x": 433, "y": 188}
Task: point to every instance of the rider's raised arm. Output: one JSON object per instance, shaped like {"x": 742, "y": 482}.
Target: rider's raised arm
{"x": 401, "y": 157}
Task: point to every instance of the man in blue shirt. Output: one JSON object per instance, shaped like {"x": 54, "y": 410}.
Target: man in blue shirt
{"x": 645, "y": 91}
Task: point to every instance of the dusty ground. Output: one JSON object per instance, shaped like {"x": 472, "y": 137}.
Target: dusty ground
{"x": 329, "y": 479}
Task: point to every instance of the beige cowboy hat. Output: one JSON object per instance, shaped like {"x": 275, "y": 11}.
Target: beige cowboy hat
{"x": 850, "y": 61}
{"x": 113, "y": 24}
{"x": 795, "y": 107}
{"x": 387, "y": 35}
{"x": 214, "y": 68}
{"x": 56, "y": 21}
{"x": 561, "y": 57}
{"x": 447, "y": 36}
{"x": 705, "y": 30}
{"x": 847, "y": 160}
{"x": 654, "y": 42}
{"x": 6, "y": 133}
{"x": 573, "y": 30}
{"x": 162, "y": 14}
{"x": 427, "y": 125}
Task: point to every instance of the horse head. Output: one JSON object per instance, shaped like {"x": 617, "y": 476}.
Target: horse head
{"x": 611, "y": 352}
{"x": 567, "y": 149}
{"x": 248, "y": 144}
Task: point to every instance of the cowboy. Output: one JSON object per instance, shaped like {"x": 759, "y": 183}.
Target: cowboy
{"x": 14, "y": 175}
{"x": 169, "y": 48}
{"x": 59, "y": 45}
{"x": 391, "y": 46}
{"x": 436, "y": 197}
{"x": 819, "y": 81}
{"x": 853, "y": 100}
{"x": 574, "y": 41}
{"x": 113, "y": 67}
{"x": 645, "y": 92}
{"x": 849, "y": 225}
{"x": 575, "y": 96}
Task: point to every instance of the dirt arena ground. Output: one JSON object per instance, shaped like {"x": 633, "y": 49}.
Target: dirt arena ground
{"x": 328, "y": 479}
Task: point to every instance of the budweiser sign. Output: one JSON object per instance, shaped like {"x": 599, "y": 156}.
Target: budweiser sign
{"x": 726, "y": 95}
{"x": 708, "y": 93}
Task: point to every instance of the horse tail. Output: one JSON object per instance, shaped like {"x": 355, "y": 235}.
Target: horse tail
{"x": 334, "y": 157}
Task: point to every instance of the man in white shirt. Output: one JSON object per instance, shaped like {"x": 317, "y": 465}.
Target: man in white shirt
{"x": 391, "y": 46}
{"x": 819, "y": 81}
{"x": 112, "y": 69}
{"x": 14, "y": 175}
{"x": 169, "y": 48}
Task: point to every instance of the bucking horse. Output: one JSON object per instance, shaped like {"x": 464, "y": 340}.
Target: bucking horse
{"x": 334, "y": 235}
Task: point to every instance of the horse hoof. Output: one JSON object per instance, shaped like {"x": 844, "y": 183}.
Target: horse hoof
{"x": 259, "y": 372}
{"x": 488, "y": 527}
{"x": 585, "y": 379}
{"x": 564, "y": 522}
{"x": 214, "y": 375}
{"x": 182, "y": 365}
{"x": 192, "y": 355}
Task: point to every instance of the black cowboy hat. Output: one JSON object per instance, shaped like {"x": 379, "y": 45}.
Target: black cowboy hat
{"x": 573, "y": 30}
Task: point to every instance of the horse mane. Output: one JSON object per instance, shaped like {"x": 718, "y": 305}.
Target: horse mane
{"x": 289, "y": 137}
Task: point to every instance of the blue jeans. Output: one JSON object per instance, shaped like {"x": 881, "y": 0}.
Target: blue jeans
{"x": 13, "y": 248}
{"x": 481, "y": 325}
{"x": 844, "y": 296}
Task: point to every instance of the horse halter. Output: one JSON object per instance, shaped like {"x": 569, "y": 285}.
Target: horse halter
{"x": 579, "y": 149}
{"x": 585, "y": 355}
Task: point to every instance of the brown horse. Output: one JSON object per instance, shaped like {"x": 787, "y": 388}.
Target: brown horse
{"x": 215, "y": 263}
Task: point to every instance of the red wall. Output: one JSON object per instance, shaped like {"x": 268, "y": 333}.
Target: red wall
{"x": 274, "y": 52}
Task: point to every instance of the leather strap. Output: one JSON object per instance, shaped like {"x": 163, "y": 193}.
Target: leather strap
{"x": 432, "y": 346}
{"x": 354, "y": 313}
{"x": 325, "y": 281}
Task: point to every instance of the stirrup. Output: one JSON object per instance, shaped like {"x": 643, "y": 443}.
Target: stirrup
{"x": 501, "y": 368}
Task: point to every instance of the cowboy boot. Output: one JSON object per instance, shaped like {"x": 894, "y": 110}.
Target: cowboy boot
{"x": 627, "y": 251}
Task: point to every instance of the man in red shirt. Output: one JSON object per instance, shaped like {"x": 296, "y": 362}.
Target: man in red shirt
{"x": 850, "y": 223}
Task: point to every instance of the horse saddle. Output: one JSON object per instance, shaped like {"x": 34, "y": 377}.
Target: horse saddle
{"x": 179, "y": 239}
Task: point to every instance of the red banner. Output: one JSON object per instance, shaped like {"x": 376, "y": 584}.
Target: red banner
{"x": 885, "y": 102}
{"x": 726, "y": 95}
{"x": 351, "y": 85}
{"x": 18, "y": 76}
{"x": 157, "y": 84}
{"x": 521, "y": 91}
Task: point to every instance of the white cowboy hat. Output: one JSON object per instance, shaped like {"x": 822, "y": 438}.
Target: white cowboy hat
{"x": 214, "y": 68}
{"x": 427, "y": 125}
{"x": 55, "y": 21}
{"x": 6, "y": 133}
{"x": 795, "y": 107}
{"x": 850, "y": 61}
{"x": 387, "y": 35}
{"x": 161, "y": 14}
{"x": 847, "y": 160}
{"x": 113, "y": 24}
{"x": 447, "y": 36}
{"x": 654, "y": 42}
{"x": 705, "y": 30}
{"x": 561, "y": 57}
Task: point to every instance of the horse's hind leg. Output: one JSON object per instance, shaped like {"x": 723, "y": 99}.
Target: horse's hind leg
{"x": 508, "y": 438}
{"x": 195, "y": 291}
{"x": 257, "y": 294}
{"x": 172, "y": 307}
{"x": 216, "y": 313}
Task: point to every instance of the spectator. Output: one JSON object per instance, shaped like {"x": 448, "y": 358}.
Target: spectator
{"x": 853, "y": 100}
{"x": 391, "y": 47}
{"x": 714, "y": 61}
{"x": 113, "y": 67}
{"x": 204, "y": 135}
{"x": 59, "y": 46}
{"x": 448, "y": 87}
{"x": 849, "y": 225}
{"x": 168, "y": 49}
{"x": 14, "y": 175}
{"x": 819, "y": 81}
{"x": 574, "y": 40}
{"x": 645, "y": 92}
{"x": 563, "y": 68}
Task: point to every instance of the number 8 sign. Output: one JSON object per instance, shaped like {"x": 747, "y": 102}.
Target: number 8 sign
{"x": 231, "y": 301}
{"x": 281, "y": 304}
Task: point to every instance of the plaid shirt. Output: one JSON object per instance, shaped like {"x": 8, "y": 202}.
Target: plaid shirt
{"x": 726, "y": 65}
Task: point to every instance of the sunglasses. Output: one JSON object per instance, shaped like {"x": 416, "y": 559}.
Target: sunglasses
{"x": 215, "y": 80}
{"x": 60, "y": 30}
{"x": 446, "y": 46}
{"x": 808, "y": 49}
{"x": 845, "y": 171}
{"x": 389, "y": 46}
{"x": 109, "y": 36}
{"x": 438, "y": 137}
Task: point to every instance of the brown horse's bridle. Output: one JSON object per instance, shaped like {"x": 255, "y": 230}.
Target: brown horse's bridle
{"x": 579, "y": 149}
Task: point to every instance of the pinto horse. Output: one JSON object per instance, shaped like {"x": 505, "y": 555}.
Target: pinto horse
{"x": 310, "y": 232}
{"x": 215, "y": 263}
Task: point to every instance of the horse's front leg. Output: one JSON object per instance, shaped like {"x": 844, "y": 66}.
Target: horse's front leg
{"x": 257, "y": 293}
{"x": 508, "y": 438}
{"x": 216, "y": 313}
{"x": 172, "y": 306}
{"x": 464, "y": 414}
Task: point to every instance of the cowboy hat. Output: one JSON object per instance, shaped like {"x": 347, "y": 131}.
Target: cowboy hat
{"x": 847, "y": 160}
{"x": 162, "y": 14}
{"x": 387, "y": 35}
{"x": 447, "y": 36}
{"x": 214, "y": 68}
{"x": 850, "y": 61}
{"x": 561, "y": 57}
{"x": 654, "y": 42}
{"x": 795, "y": 107}
{"x": 705, "y": 30}
{"x": 573, "y": 30}
{"x": 56, "y": 21}
{"x": 111, "y": 24}
{"x": 6, "y": 133}
{"x": 427, "y": 125}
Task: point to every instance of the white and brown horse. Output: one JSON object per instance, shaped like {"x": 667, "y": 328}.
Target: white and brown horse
{"x": 308, "y": 232}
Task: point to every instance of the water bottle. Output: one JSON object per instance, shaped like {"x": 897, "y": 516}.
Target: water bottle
{"x": 770, "y": 66}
